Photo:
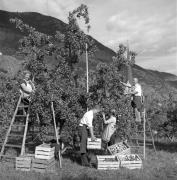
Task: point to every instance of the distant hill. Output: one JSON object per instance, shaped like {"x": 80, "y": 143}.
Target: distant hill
{"x": 9, "y": 35}
{"x": 9, "y": 65}
{"x": 153, "y": 81}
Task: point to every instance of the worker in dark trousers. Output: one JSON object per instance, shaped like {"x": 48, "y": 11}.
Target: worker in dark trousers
{"x": 85, "y": 126}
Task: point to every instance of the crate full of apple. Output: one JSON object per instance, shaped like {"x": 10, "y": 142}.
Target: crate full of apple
{"x": 130, "y": 161}
{"x": 119, "y": 148}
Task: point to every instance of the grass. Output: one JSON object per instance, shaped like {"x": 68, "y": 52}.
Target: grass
{"x": 161, "y": 165}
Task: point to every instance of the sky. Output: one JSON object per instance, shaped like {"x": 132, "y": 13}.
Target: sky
{"x": 149, "y": 26}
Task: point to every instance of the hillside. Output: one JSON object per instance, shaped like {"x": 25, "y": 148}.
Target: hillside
{"x": 9, "y": 35}
{"x": 9, "y": 64}
{"x": 153, "y": 81}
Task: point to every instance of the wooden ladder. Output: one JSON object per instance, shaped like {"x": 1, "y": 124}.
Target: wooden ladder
{"x": 56, "y": 134}
{"x": 142, "y": 143}
{"x": 13, "y": 125}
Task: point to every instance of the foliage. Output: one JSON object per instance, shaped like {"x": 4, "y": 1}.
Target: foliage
{"x": 170, "y": 126}
{"x": 8, "y": 98}
{"x": 60, "y": 84}
{"x": 107, "y": 91}
{"x": 162, "y": 115}
{"x": 67, "y": 90}
{"x": 64, "y": 87}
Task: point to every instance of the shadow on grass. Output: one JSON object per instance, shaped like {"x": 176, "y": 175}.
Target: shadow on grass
{"x": 74, "y": 156}
{"x": 80, "y": 177}
{"x": 163, "y": 146}
{"x": 166, "y": 146}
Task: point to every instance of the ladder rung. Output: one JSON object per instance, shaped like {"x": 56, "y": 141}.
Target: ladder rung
{"x": 135, "y": 146}
{"x": 19, "y": 115}
{"x": 147, "y": 144}
{"x": 23, "y": 106}
{"x": 15, "y": 135}
{"x": 7, "y": 156}
{"x": 147, "y": 140}
{"x": 13, "y": 145}
{"x": 18, "y": 125}
{"x": 142, "y": 131}
{"x": 135, "y": 138}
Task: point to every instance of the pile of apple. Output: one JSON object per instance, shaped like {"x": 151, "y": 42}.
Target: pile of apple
{"x": 117, "y": 148}
{"x": 131, "y": 157}
{"x": 110, "y": 159}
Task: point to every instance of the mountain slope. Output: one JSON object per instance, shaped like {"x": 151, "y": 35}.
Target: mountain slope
{"x": 10, "y": 65}
{"x": 153, "y": 81}
{"x": 9, "y": 35}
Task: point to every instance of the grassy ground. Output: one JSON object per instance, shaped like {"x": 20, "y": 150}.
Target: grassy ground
{"x": 161, "y": 165}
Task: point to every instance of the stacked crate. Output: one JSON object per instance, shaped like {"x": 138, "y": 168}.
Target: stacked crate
{"x": 107, "y": 162}
{"x": 119, "y": 149}
{"x": 131, "y": 161}
{"x": 120, "y": 156}
{"x": 23, "y": 163}
{"x": 94, "y": 144}
{"x": 44, "y": 159}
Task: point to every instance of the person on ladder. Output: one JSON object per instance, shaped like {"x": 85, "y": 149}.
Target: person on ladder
{"x": 137, "y": 102}
{"x": 26, "y": 89}
{"x": 85, "y": 126}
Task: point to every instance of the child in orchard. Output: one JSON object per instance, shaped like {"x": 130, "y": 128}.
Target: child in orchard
{"x": 110, "y": 128}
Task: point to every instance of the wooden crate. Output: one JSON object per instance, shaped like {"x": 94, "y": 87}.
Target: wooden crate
{"x": 130, "y": 161}
{"x": 94, "y": 144}
{"x": 43, "y": 165}
{"x": 119, "y": 148}
{"x": 107, "y": 162}
{"x": 23, "y": 163}
{"x": 44, "y": 151}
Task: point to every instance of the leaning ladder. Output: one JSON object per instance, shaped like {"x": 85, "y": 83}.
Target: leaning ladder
{"x": 15, "y": 125}
{"x": 56, "y": 134}
{"x": 144, "y": 135}
{"x": 146, "y": 129}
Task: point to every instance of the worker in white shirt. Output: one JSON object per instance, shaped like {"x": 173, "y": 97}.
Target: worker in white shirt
{"x": 85, "y": 126}
{"x": 137, "y": 100}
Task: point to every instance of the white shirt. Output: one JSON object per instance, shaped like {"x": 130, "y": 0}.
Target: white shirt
{"x": 87, "y": 119}
{"x": 26, "y": 87}
{"x": 138, "y": 89}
